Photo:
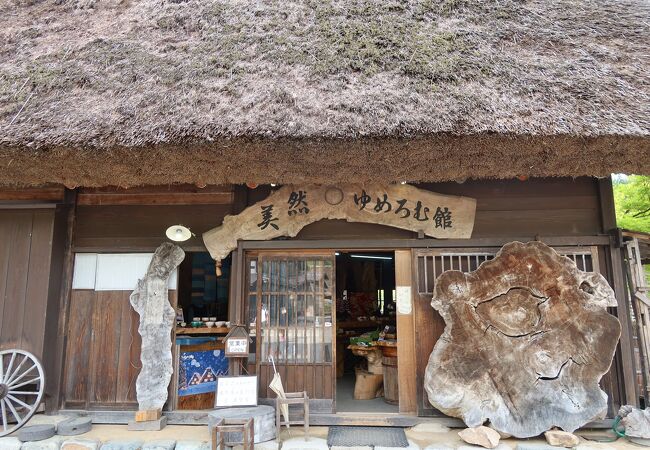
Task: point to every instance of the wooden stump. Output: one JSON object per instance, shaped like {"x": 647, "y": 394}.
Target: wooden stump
{"x": 391, "y": 388}
{"x": 526, "y": 341}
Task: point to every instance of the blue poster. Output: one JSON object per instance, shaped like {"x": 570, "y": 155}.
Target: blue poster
{"x": 198, "y": 371}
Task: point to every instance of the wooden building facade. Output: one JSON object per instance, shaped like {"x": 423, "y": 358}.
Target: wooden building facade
{"x": 86, "y": 331}
{"x": 196, "y": 110}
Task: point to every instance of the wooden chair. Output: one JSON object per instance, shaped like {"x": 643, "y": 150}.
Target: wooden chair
{"x": 225, "y": 426}
{"x": 292, "y": 398}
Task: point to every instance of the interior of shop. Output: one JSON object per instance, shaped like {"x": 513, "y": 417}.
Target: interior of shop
{"x": 366, "y": 334}
{"x": 201, "y": 322}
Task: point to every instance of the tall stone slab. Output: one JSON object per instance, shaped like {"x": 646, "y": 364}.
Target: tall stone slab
{"x": 150, "y": 299}
{"x": 526, "y": 342}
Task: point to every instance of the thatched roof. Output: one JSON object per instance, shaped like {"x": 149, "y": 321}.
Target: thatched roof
{"x": 130, "y": 92}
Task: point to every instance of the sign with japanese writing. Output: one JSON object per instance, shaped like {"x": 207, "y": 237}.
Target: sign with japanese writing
{"x": 286, "y": 211}
{"x": 236, "y": 391}
{"x": 237, "y": 346}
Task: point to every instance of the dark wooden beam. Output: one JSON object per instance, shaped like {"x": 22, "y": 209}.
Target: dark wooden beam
{"x": 43, "y": 194}
{"x": 607, "y": 207}
{"x": 379, "y": 244}
{"x": 202, "y": 197}
{"x": 627, "y": 355}
{"x": 58, "y": 298}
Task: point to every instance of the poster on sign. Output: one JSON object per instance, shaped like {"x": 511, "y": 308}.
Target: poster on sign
{"x": 236, "y": 391}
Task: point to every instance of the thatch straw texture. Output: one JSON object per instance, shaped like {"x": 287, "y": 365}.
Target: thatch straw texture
{"x": 133, "y": 92}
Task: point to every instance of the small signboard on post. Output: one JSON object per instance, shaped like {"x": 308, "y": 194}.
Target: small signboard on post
{"x": 237, "y": 342}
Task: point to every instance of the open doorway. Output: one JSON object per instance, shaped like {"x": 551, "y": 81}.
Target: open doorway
{"x": 366, "y": 334}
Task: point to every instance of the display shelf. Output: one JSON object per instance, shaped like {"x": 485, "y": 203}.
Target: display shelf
{"x": 201, "y": 330}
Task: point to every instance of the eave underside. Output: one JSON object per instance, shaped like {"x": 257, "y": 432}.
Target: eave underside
{"x": 387, "y": 160}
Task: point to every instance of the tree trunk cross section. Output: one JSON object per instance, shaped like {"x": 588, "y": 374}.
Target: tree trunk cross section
{"x": 526, "y": 342}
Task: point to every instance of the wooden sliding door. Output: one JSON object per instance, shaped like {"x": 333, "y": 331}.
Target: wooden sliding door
{"x": 295, "y": 323}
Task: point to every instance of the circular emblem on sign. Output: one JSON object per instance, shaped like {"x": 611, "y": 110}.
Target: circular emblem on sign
{"x": 333, "y": 195}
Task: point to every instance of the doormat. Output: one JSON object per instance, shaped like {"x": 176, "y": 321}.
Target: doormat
{"x": 366, "y": 437}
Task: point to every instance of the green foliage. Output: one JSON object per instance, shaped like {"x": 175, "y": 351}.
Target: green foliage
{"x": 632, "y": 199}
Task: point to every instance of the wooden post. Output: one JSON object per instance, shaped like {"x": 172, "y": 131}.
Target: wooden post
{"x": 623, "y": 314}
{"x": 406, "y": 371}
{"x": 617, "y": 279}
{"x": 56, "y": 327}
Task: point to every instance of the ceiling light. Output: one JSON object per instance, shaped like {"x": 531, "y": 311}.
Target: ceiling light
{"x": 178, "y": 233}
{"x": 371, "y": 257}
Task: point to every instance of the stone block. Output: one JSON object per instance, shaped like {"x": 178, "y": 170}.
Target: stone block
{"x": 412, "y": 446}
{"x": 122, "y": 444}
{"x": 300, "y": 443}
{"x": 151, "y": 425}
{"x": 430, "y": 427}
{"x": 483, "y": 436}
{"x": 162, "y": 444}
{"x": 193, "y": 445}
{"x": 438, "y": 447}
{"x": 36, "y": 432}
{"x": 561, "y": 438}
{"x": 74, "y": 426}
{"x": 53, "y": 443}
{"x": 80, "y": 444}
{"x": 356, "y": 447}
{"x": 10, "y": 443}
{"x": 533, "y": 446}
{"x": 268, "y": 445}
{"x": 501, "y": 446}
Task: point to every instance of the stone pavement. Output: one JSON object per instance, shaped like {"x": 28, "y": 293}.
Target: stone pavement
{"x": 426, "y": 436}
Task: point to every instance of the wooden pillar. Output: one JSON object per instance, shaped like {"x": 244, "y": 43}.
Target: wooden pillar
{"x": 617, "y": 280}
{"x": 58, "y": 300}
{"x": 406, "y": 365}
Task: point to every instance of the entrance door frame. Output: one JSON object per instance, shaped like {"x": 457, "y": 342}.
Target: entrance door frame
{"x": 403, "y": 278}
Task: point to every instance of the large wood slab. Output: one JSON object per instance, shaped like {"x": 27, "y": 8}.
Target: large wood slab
{"x": 526, "y": 341}
{"x": 150, "y": 299}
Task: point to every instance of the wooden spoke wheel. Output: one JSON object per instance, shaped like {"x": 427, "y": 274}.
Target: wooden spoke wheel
{"x": 22, "y": 382}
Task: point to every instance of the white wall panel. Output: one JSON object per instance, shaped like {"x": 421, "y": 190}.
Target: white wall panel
{"x": 85, "y": 271}
{"x": 112, "y": 271}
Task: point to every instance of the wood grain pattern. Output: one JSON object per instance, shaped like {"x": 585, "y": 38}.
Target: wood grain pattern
{"x": 54, "y": 193}
{"x": 104, "y": 226}
{"x": 25, "y": 262}
{"x": 76, "y": 370}
{"x": 526, "y": 342}
{"x": 406, "y": 350}
{"x": 428, "y": 328}
{"x": 17, "y": 279}
{"x": 104, "y": 348}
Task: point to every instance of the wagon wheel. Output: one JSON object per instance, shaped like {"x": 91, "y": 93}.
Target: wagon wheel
{"x": 22, "y": 382}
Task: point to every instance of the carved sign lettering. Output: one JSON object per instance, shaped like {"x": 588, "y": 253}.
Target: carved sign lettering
{"x": 290, "y": 208}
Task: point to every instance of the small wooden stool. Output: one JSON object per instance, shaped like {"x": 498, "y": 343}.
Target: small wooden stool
{"x": 223, "y": 426}
{"x": 292, "y": 398}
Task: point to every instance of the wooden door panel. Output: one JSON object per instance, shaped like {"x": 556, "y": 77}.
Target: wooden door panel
{"x": 296, "y": 326}
{"x": 78, "y": 347}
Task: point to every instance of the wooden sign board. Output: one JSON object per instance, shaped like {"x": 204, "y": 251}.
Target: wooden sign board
{"x": 237, "y": 347}
{"x": 236, "y": 391}
{"x": 237, "y": 342}
{"x": 290, "y": 208}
